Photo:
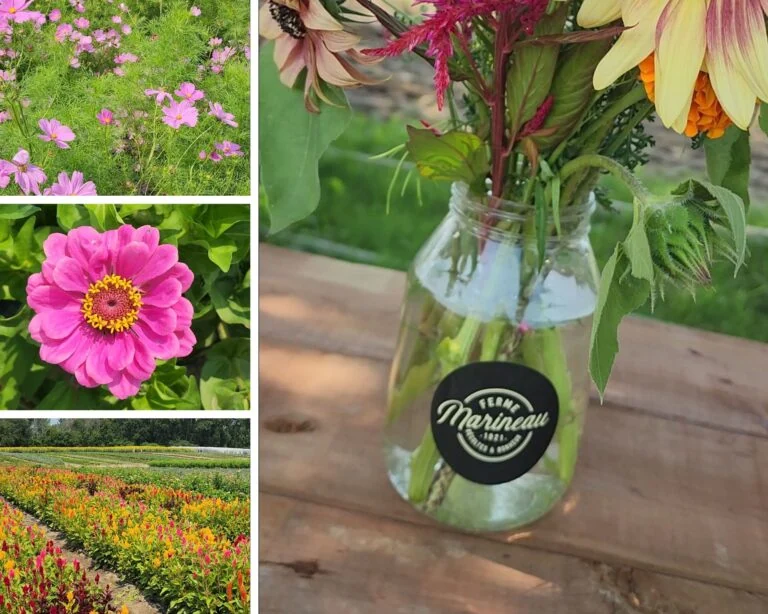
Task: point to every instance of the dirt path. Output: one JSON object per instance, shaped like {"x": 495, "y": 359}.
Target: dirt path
{"x": 124, "y": 593}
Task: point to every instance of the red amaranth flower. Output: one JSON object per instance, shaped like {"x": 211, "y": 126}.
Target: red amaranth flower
{"x": 454, "y": 18}
{"x": 537, "y": 121}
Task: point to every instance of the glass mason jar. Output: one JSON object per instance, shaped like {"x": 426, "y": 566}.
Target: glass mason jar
{"x": 485, "y": 294}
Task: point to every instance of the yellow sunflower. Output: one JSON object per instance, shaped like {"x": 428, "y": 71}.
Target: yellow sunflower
{"x": 723, "y": 39}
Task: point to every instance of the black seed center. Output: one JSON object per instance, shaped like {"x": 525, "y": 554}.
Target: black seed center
{"x": 288, "y": 20}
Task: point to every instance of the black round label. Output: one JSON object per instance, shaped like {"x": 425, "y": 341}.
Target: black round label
{"x": 493, "y": 421}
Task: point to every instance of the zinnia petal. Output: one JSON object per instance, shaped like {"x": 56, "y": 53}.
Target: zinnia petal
{"x": 121, "y": 351}
{"x": 125, "y": 386}
{"x": 165, "y": 294}
{"x": 131, "y": 259}
{"x": 68, "y": 275}
{"x": 159, "y": 263}
{"x": 96, "y": 366}
{"x": 59, "y": 324}
{"x": 162, "y": 321}
{"x": 55, "y": 246}
{"x": 51, "y": 297}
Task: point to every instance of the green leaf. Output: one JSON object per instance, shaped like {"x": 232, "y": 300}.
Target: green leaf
{"x": 61, "y": 396}
{"x": 232, "y": 306}
{"x": 16, "y": 360}
{"x": 219, "y": 218}
{"x": 24, "y": 242}
{"x": 169, "y": 388}
{"x": 638, "y": 250}
{"x": 729, "y": 159}
{"x": 221, "y": 255}
{"x": 618, "y": 296}
{"x": 530, "y": 75}
{"x": 224, "y": 380}
{"x": 541, "y": 221}
{"x": 104, "y": 217}
{"x": 454, "y": 156}
{"x": 291, "y": 142}
{"x": 735, "y": 210}
{"x": 764, "y": 117}
{"x": 556, "y": 202}
{"x": 71, "y": 216}
{"x": 572, "y": 90}
{"x": 17, "y": 212}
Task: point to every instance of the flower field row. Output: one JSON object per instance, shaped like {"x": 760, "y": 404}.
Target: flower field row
{"x": 34, "y": 576}
{"x": 189, "y": 551}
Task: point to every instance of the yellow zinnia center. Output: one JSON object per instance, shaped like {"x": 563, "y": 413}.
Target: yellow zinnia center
{"x": 112, "y": 304}
{"x": 706, "y": 115}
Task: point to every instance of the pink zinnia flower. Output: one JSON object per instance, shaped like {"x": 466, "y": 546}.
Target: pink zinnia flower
{"x": 160, "y": 95}
{"x": 219, "y": 113}
{"x": 105, "y": 117}
{"x": 229, "y": 149}
{"x": 27, "y": 176}
{"x": 188, "y": 91}
{"x": 54, "y": 130}
{"x": 109, "y": 304}
{"x": 71, "y": 187}
{"x": 180, "y": 113}
{"x": 196, "y": 12}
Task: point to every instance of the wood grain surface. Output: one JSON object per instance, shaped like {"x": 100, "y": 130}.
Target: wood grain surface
{"x": 668, "y": 512}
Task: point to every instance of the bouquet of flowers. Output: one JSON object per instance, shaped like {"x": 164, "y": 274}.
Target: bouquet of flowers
{"x": 543, "y": 97}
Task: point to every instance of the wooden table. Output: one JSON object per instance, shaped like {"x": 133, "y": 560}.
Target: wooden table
{"x": 668, "y": 512}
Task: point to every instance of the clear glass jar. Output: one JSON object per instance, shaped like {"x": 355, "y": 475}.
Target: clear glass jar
{"x": 485, "y": 287}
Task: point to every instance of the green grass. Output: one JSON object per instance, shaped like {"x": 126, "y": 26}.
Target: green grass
{"x": 352, "y": 223}
{"x": 142, "y": 155}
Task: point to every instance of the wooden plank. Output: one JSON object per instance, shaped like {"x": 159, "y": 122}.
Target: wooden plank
{"x": 670, "y": 371}
{"x": 651, "y": 493}
{"x": 316, "y": 559}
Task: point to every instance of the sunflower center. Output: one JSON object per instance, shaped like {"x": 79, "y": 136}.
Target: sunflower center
{"x": 111, "y": 304}
{"x": 706, "y": 115}
{"x": 288, "y": 19}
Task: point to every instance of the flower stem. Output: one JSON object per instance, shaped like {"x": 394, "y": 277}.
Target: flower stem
{"x": 587, "y": 161}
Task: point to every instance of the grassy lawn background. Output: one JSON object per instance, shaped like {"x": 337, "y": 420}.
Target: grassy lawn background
{"x": 352, "y": 223}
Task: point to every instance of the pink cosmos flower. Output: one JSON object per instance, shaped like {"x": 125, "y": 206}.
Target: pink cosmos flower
{"x": 196, "y": 12}
{"x": 188, "y": 91}
{"x": 16, "y": 10}
{"x": 117, "y": 19}
{"x": 63, "y": 31}
{"x": 217, "y": 111}
{"x": 71, "y": 187}
{"x": 4, "y": 116}
{"x": 27, "y": 176}
{"x": 126, "y": 58}
{"x": 55, "y": 131}
{"x": 126, "y": 29}
{"x": 105, "y": 117}
{"x": 107, "y": 305}
{"x": 229, "y": 149}
{"x": 160, "y": 95}
{"x": 119, "y": 72}
{"x": 215, "y": 42}
{"x": 81, "y": 23}
{"x": 54, "y": 15}
{"x": 180, "y": 113}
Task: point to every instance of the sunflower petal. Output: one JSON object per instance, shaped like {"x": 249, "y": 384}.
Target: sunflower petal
{"x": 733, "y": 91}
{"x": 315, "y": 17}
{"x": 594, "y": 13}
{"x": 750, "y": 45}
{"x": 268, "y": 26}
{"x": 634, "y": 45}
{"x": 681, "y": 26}
{"x": 340, "y": 41}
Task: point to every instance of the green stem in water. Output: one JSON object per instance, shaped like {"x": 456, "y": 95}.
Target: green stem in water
{"x": 455, "y": 352}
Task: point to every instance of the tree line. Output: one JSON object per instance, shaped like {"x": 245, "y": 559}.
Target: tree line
{"x": 118, "y": 432}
